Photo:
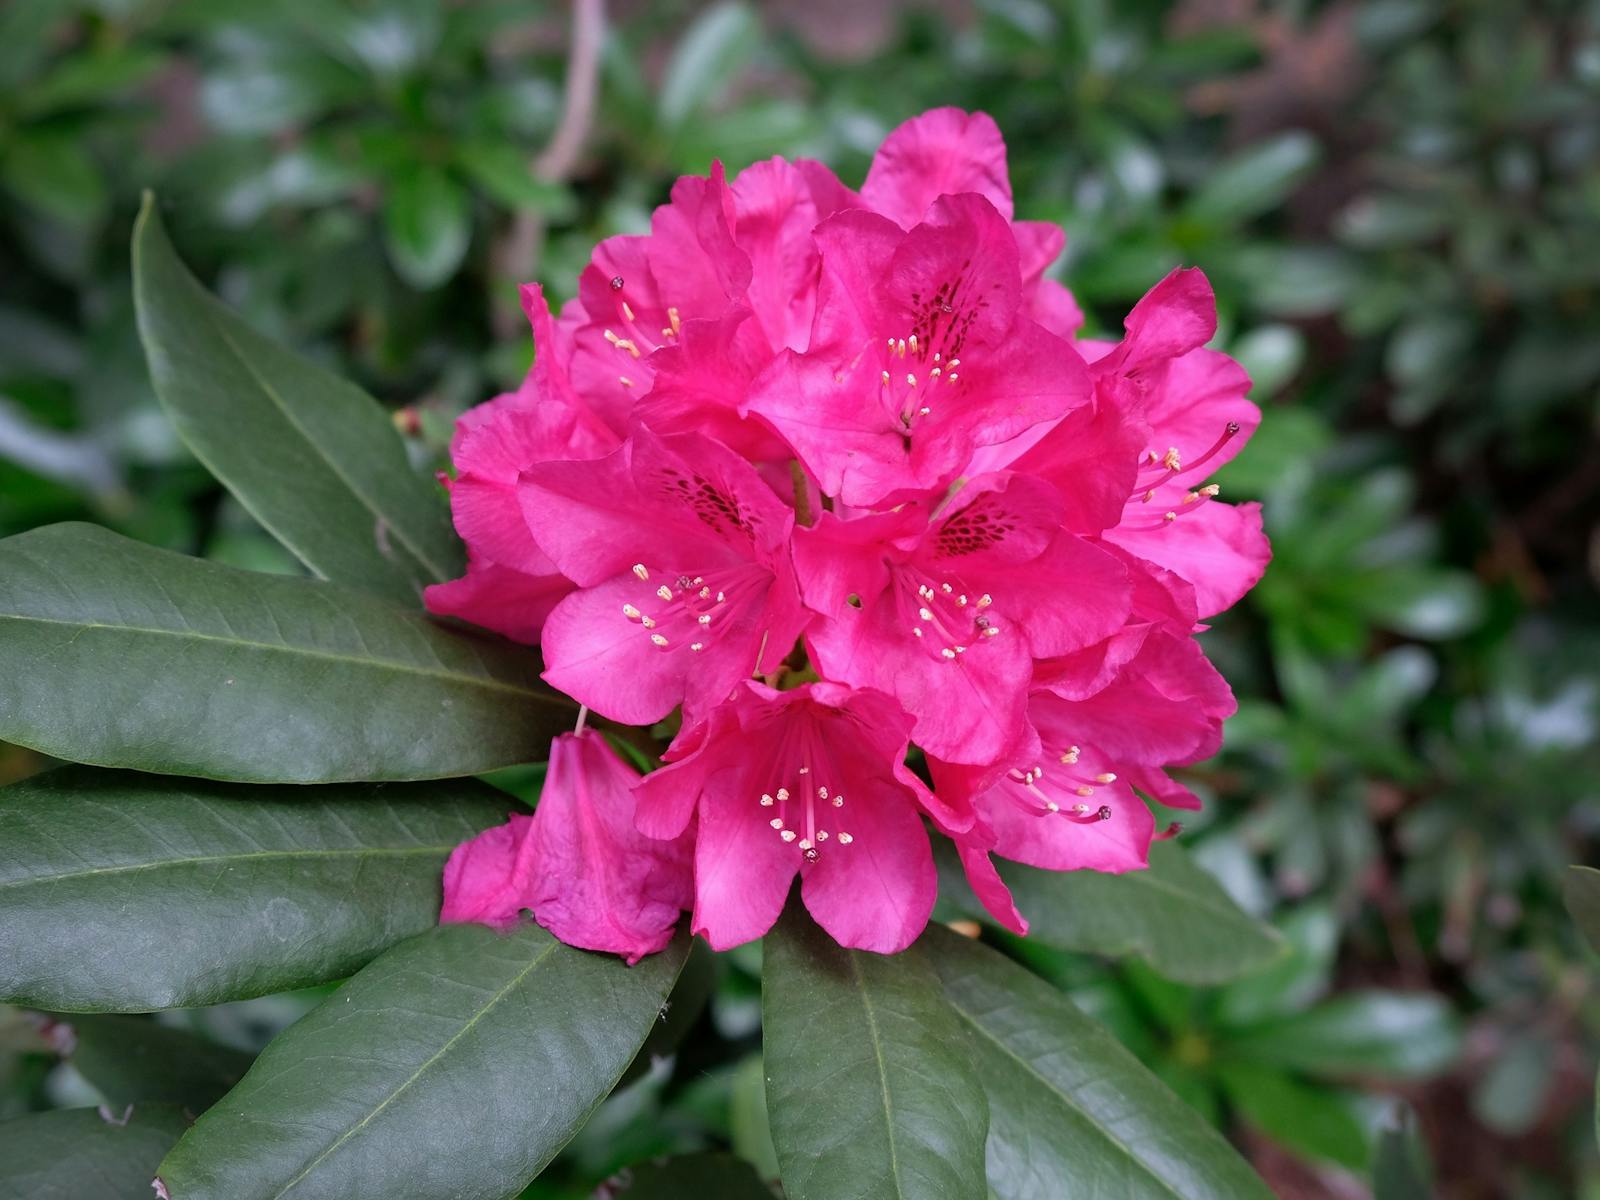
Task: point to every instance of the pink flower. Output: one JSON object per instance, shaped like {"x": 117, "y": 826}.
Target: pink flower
{"x": 511, "y": 585}
{"x": 578, "y": 864}
{"x": 948, "y": 613}
{"x": 809, "y": 781}
{"x": 685, "y": 586}
{"x": 828, "y": 472}
{"x": 919, "y": 353}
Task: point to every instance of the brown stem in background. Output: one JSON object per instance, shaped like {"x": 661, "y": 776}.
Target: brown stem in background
{"x": 517, "y": 257}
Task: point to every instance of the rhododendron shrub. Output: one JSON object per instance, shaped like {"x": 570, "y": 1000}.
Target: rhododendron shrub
{"x": 828, "y": 479}
{"x": 821, "y": 573}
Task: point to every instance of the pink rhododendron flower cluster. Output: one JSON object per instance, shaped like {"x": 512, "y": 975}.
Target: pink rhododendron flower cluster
{"x": 829, "y": 471}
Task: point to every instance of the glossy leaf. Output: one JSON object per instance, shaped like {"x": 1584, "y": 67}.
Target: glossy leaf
{"x": 457, "y": 1064}
{"x": 134, "y": 1060}
{"x": 313, "y": 458}
{"x": 118, "y": 654}
{"x": 1073, "y": 1113}
{"x": 1173, "y": 914}
{"x": 85, "y": 1154}
{"x": 136, "y": 892}
{"x": 871, "y": 1089}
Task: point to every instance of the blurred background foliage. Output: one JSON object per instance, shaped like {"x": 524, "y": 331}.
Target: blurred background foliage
{"x": 1398, "y": 202}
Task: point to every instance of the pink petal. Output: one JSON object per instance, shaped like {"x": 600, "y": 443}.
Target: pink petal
{"x": 989, "y": 888}
{"x": 578, "y": 863}
{"x": 703, "y": 379}
{"x": 1176, "y": 316}
{"x": 742, "y": 872}
{"x": 775, "y": 214}
{"x": 503, "y": 599}
{"x": 876, "y": 893}
{"x": 1219, "y": 548}
{"x": 942, "y": 152}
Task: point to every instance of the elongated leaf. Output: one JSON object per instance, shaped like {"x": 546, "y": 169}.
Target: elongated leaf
{"x": 82, "y": 1154}
{"x": 427, "y": 224}
{"x": 1072, "y": 1113}
{"x": 134, "y": 1060}
{"x": 457, "y": 1065}
{"x": 137, "y": 892}
{"x": 122, "y": 655}
{"x": 1401, "y": 1169}
{"x": 313, "y": 458}
{"x": 871, "y": 1088}
{"x": 1399, "y": 1035}
{"x": 1173, "y": 915}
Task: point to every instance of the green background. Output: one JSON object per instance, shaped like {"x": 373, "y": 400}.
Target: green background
{"x": 1398, "y": 203}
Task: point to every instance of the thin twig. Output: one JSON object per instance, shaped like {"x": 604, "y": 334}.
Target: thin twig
{"x": 518, "y": 255}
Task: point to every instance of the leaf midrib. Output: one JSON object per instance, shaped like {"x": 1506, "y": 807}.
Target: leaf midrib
{"x": 883, "y": 1070}
{"x": 420, "y": 1071}
{"x": 211, "y": 307}
{"x": 388, "y": 664}
{"x": 198, "y": 860}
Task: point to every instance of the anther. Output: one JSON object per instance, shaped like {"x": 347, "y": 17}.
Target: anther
{"x": 845, "y": 839}
{"x": 838, "y": 801}
{"x": 639, "y": 570}
{"x": 647, "y": 622}
{"x": 631, "y": 612}
{"x": 664, "y": 592}
{"x": 788, "y": 835}
{"x": 776, "y": 822}
{"x": 1084, "y": 790}
{"x": 783, "y": 794}
{"x": 1105, "y": 777}
{"x": 704, "y": 618}
{"x": 766, "y": 800}
{"x": 697, "y": 645}
{"x": 659, "y": 639}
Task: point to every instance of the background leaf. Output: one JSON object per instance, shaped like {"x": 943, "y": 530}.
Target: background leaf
{"x": 706, "y": 1176}
{"x": 1394, "y": 1034}
{"x": 1072, "y": 1112}
{"x": 871, "y": 1089}
{"x": 137, "y": 892}
{"x": 1581, "y": 888}
{"x": 82, "y": 1154}
{"x": 119, "y": 654}
{"x": 313, "y": 458}
{"x": 1174, "y": 915}
{"x": 457, "y": 1064}
{"x": 427, "y": 223}
{"x": 133, "y": 1060}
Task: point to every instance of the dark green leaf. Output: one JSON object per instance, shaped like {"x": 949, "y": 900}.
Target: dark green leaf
{"x": 133, "y": 1060}
{"x": 136, "y": 892}
{"x": 689, "y": 1177}
{"x": 1309, "y": 1119}
{"x": 82, "y": 1154}
{"x": 1401, "y": 1170}
{"x": 870, "y": 1083}
{"x": 313, "y": 458}
{"x": 1071, "y": 1111}
{"x": 1293, "y": 980}
{"x": 1400, "y": 1035}
{"x": 122, "y": 655}
{"x": 1581, "y": 887}
{"x": 1173, "y": 914}
{"x": 55, "y": 173}
{"x": 457, "y": 1064}
{"x": 427, "y": 223}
